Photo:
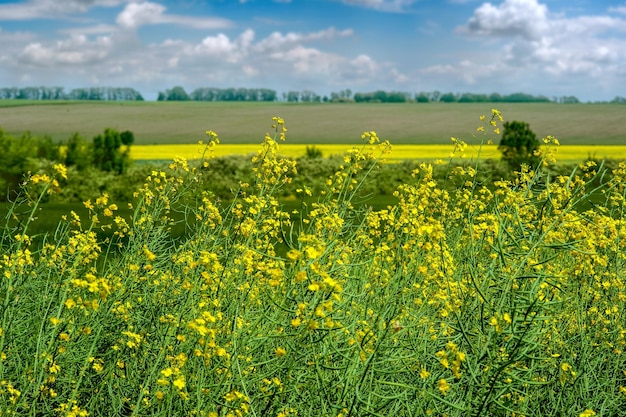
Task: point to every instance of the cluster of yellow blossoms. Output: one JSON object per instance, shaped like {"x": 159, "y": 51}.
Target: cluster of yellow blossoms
{"x": 464, "y": 297}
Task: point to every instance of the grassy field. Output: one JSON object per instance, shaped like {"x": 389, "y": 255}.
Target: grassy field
{"x": 238, "y": 123}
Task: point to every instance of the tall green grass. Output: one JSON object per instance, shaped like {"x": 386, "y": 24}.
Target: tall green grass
{"x": 459, "y": 300}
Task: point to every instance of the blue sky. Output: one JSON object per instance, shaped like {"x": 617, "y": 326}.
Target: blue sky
{"x": 549, "y": 47}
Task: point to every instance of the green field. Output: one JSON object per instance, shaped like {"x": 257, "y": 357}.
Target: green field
{"x": 341, "y": 123}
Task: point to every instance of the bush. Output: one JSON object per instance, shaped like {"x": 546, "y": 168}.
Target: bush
{"x": 519, "y": 145}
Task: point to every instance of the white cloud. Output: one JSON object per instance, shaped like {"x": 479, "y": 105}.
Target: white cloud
{"x": 44, "y": 9}
{"x": 139, "y": 14}
{"x": 76, "y": 50}
{"x": 526, "y": 41}
{"x": 290, "y": 60}
{"x": 523, "y": 18}
{"x": 277, "y": 40}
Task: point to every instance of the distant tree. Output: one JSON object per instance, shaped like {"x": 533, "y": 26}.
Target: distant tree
{"x": 313, "y": 152}
{"x": 379, "y": 96}
{"x": 524, "y": 98}
{"x": 619, "y": 100}
{"x": 422, "y": 98}
{"x": 519, "y": 145}
{"x": 48, "y": 149}
{"x": 107, "y": 152}
{"x": 448, "y": 98}
{"x": 473, "y": 98}
{"x": 127, "y": 137}
{"x": 177, "y": 93}
{"x": 77, "y": 152}
{"x": 396, "y": 97}
{"x": 495, "y": 98}
{"x": 293, "y": 96}
{"x": 266, "y": 94}
{"x": 308, "y": 96}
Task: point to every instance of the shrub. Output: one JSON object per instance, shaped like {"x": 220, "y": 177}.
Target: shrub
{"x": 519, "y": 145}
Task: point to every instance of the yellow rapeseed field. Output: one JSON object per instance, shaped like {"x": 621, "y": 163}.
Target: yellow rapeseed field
{"x": 564, "y": 153}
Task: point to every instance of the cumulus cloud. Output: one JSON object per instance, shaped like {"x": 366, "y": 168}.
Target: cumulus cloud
{"x": 295, "y": 58}
{"x": 135, "y": 15}
{"x": 76, "y": 50}
{"x": 116, "y": 53}
{"x": 525, "y": 38}
{"x": 523, "y": 18}
{"x": 277, "y": 40}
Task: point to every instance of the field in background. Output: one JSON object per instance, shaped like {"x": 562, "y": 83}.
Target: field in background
{"x": 342, "y": 123}
{"x": 565, "y": 153}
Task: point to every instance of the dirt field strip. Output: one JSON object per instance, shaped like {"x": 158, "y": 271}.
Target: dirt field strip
{"x": 239, "y": 122}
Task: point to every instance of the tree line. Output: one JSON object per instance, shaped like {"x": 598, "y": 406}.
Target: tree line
{"x": 59, "y": 93}
{"x": 178, "y": 93}
{"x": 218, "y": 94}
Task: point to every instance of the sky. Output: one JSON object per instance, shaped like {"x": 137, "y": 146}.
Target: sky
{"x": 552, "y": 47}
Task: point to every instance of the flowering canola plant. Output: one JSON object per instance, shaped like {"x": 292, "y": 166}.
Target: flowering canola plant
{"x": 463, "y": 299}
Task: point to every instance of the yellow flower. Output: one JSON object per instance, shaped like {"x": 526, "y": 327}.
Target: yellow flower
{"x": 280, "y": 351}
{"x": 61, "y": 170}
{"x": 587, "y": 413}
{"x": 54, "y": 368}
{"x": 151, "y": 256}
{"x": 294, "y": 255}
{"x": 179, "y": 382}
{"x": 507, "y": 318}
{"x": 443, "y": 386}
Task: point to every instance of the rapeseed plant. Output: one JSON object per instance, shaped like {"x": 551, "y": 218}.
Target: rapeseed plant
{"x": 463, "y": 298}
